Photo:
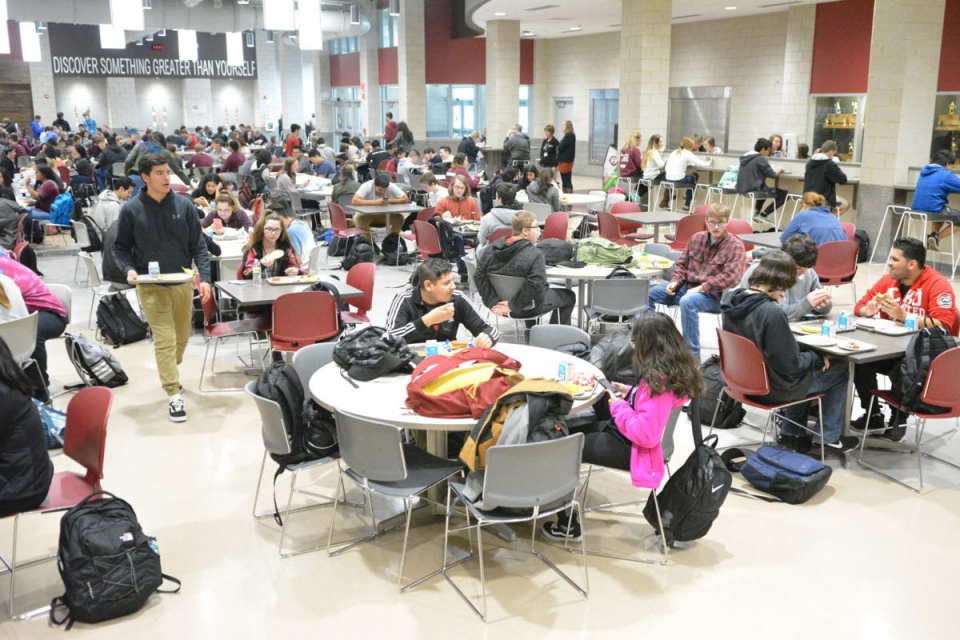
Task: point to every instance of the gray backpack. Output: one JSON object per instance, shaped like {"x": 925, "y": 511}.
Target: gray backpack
{"x": 95, "y": 365}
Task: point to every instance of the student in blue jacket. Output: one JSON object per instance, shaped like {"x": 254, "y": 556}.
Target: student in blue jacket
{"x": 937, "y": 181}
{"x": 815, "y": 220}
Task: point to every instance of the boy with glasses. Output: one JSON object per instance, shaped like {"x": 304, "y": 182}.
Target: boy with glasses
{"x": 714, "y": 260}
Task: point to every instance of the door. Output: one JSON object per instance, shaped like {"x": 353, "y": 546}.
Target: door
{"x": 562, "y": 110}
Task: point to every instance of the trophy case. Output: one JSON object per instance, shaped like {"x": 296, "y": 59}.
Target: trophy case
{"x": 839, "y": 118}
{"x": 946, "y": 123}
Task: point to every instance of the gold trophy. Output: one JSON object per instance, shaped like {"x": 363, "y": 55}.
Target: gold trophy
{"x": 953, "y": 108}
{"x": 850, "y": 149}
{"x": 854, "y": 103}
{"x": 836, "y": 107}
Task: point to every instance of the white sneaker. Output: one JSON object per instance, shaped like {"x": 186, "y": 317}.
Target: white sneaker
{"x": 177, "y": 412}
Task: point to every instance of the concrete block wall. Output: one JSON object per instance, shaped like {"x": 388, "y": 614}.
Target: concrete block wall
{"x": 645, "y": 37}
{"x": 503, "y": 83}
{"x": 797, "y": 69}
{"x": 42, "y": 85}
{"x": 267, "y": 106}
{"x": 411, "y": 68}
{"x": 122, "y": 103}
{"x": 197, "y": 103}
{"x": 291, "y": 84}
{"x": 75, "y": 95}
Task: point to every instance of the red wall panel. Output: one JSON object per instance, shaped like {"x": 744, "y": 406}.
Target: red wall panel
{"x": 449, "y": 61}
{"x": 345, "y": 70}
{"x": 841, "y": 47}
{"x": 13, "y": 29}
{"x": 526, "y": 62}
{"x": 949, "y": 79}
{"x": 387, "y": 63}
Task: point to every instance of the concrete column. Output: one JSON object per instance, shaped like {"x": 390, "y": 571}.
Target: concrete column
{"x": 503, "y": 78}
{"x": 267, "y": 106}
{"x": 797, "y": 66}
{"x": 197, "y": 102}
{"x": 290, "y": 61}
{"x": 412, "y": 83}
{"x": 901, "y": 94}
{"x": 122, "y": 104}
{"x": 644, "y": 66}
{"x": 370, "y": 116}
{"x": 41, "y": 84}
{"x": 322, "y": 94}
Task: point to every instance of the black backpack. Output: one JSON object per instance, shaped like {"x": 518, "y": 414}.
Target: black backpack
{"x": 358, "y": 250}
{"x": 445, "y": 232}
{"x": 556, "y": 251}
{"x": 337, "y": 247}
{"x": 109, "y": 566}
{"x": 861, "y": 238}
{"x": 96, "y": 366}
{"x": 371, "y": 352}
{"x": 330, "y": 288}
{"x": 731, "y": 412}
{"x": 117, "y": 322}
{"x": 393, "y": 251}
{"x": 614, "y": 356}
{"x": 921, "y": 351}
{"x": 95, "y": 233}
{"x": 691, "y": 499}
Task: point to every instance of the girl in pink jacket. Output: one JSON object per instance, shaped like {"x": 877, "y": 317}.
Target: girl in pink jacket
{"x": 630, "y": 440}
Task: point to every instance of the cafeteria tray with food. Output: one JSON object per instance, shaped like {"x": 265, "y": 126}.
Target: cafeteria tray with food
{"x": 836, "y": 346}
{"x": 278, "y": 280}
{"x": 812, "y": 327}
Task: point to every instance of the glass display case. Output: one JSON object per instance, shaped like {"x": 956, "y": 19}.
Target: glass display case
{"x": 946, "y": 123}
{"x": 839, "y": 118}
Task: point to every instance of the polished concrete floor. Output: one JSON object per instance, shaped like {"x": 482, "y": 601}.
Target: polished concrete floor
{"x": 864, "y": 559}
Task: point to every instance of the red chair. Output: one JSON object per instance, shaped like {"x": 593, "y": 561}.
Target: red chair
{"x": 428, "y": 240}
{"x": 65, "y": 175}
{"x": 505, "y": 232}
{"x": 628, "y": 228}
{"x": 424, "y": 214}
{"x": 736, "y": 227}
{"x": 179, "y": 188}
{"x": 837, "y": 264}
{"x": 688, "y": 226}
{"x": 556, "y": 226}
{"x": 303, "y": 318}
{"x": 850, "y": 229}
{"x": 217, "y": 331}
{"x": 84, "y": 442}
{"x": 745, "y": 373}
{"x": 699, "y": 211}
{"x": 361, "y": 276}
{"x": 338, "y": 222}
{"x": 939, "y": 390}
{"x": 610, "y": 230}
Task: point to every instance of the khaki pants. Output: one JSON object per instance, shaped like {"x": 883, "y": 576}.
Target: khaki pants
{"x": 367, "y": 220}
{"x": 168, "y": 309}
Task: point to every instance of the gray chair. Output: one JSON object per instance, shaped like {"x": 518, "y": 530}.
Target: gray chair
{"x": 21, "y": 337}
{"x": 65, "y": 295}
{"x": 276, "y": 442}
{"x": 624, "y": 299}
{"x": 560, "y": 337}
{"x": 539, "y": 209}
{"x": 375, "y": 458}
{"x": 83, "y": 240}
{"x": 541, "y": 477}
{"x": 307, "y": 360}
{"x": 97, "y": 288}
{"x": 657, "y": 249}
{"x": 506, "y": 288}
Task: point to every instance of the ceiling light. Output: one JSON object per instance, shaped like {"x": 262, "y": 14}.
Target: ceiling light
{"x": 187, "y": 44}
{"x": 235, "y": 49}
{"x": 127, "y": 14}
{"x": 575, "y": 29}
{"x": 243, "y": 1}
{"x": 4, "y": 33}
{"x": 30, "y": 42}
{"x": 147, "y": 4}
{"x": 394, "y": 7}
{"x": 250, "y": 40}
{"x": 311, "y": 31}
{"x": 729, "y": 8}
{"x": 354, "y": 14}
{"x": 111, "y": 37}
{"x": 269, "y": 35}
{"x": 162, "y": 33}
{"x": 278, "y": 15}
{"x": 499, "y": 13}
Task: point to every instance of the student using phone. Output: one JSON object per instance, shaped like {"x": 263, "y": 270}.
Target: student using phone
{"x": 630, "y": 441}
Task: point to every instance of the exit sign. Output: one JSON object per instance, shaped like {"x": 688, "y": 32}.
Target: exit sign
{"x": 158, "y": 47}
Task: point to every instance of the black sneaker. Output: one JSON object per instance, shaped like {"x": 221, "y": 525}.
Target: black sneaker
{"x": 177, "y": 412}
{"x": 895, "y": 433}
{"x": 876, "y": 423}
{"x": 800, "y": 444}
{"x": 554, "y": 531}
{"x": 843, "y": 445}
{"x": 933, "y": 242}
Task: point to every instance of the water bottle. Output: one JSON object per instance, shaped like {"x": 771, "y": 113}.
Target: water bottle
{"x": 431, "y": 348}
{"x": 910, "y": 322}
{"x": 562, "y": 371}
{"x": 844, "y": 322}
{"x": 257, "y": 273}
{"x": 828, "y": 329}
{"x": 448, "y": 347}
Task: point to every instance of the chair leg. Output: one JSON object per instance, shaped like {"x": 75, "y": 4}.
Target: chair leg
{"x": 408, "y": 507}
{"x": 286, "y": 513}
{"x": 483, "y": 578}
{"x": 583, "y": 550}
{"x": 13, "y": 565}
{"x": 256, "y": 495}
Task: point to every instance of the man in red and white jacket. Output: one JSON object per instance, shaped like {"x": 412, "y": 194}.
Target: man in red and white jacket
{"x": 911, "y": 286}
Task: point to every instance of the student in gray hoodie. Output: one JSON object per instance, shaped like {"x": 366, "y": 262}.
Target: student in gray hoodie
{"x": 754, "y": 171}
{"x": 500, "y": 216}
{"x": 544, "y": 191}
{"x": 807, "y": 296}
{"x": 755, "y": 314}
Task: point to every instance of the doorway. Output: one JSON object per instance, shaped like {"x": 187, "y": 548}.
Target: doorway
{"x": 562, "y": 110}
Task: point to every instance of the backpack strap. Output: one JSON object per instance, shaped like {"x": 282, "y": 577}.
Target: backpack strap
{"x": 730, "y": 457}
{"x": 68, "y": 618}
{"x": 170, "y": 579}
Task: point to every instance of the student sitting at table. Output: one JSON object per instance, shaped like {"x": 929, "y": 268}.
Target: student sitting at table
{"x": 408, "y": 167}
{"x": 459, "y": 167}
{"x": 346, "y": 184}
{"x": 44, "y": 191}
{"x": 530, "y": 174}
{"x": 816, "y": 220}
{"x": 379, "y": 192}
{"x": 199, "y": 159}
{"x": 910, "y": 286}
{"x": 108, "y": 205}
{"x": 320, "y": 165}
{"x": 435, "y": 193}
{"x": 207, "y": 191}
{"x": 934, "y": 186}
{"x": 226, "y": 214}
{"x": 431, "y": 308}
{"x": 232, "y": 163}
{"x": 519, "y": 256}
{"x": 301, "y": 235}
{"x": 287, "y": 178}
{"x": 302, "y": 162}
{"x": 26, "y": 470}
{"x": 712, "y": 261}
{"x": 823, "y": 174}
{"x": 630, "y": 439}
{"x": 807, "y": 297}
{"x": 10, "y": 212}
{"x": 543, "y": 190}
{"x": 440, "y": 163}
{"x": 752, "y": 178}
{"x": 270, "y": 244}
{"x": 505, "y": 207}
{"x": 458, "y": 205}
{"x": 754, "y": 314}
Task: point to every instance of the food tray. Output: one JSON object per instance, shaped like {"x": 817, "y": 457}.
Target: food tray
{"x": 165, "y": 278}
{"x": 802, "y": 328}
{"x": 283, "y": 280}
{"x": 884, "y": 327}
{"x": 834, "y": 346}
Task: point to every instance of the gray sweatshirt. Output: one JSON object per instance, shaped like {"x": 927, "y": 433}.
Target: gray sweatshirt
{"x": 795, "y": 303}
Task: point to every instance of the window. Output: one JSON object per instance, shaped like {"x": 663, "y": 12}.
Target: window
{"x": 345, "y": 45}
{"x": 946, "y": 123}
{"x": 454, "y": 111}
{"x": 389, "y": 30}
{"x": 604, "y": 114}
{"x": 389, "y": 101}
{"x": 523, "y": 119}
{"x": 335, "y": 47}
{"x": 346, "y": 109}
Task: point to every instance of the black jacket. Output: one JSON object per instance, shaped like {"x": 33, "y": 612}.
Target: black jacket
{"x": 758, "y": 318}
{"x": 25, "y": 467}
{"x": 468, "y": 146}
{"x": 405, "y": 318}
{"x": 167, "y": 232}
{"x": 548, "y": 152}
{"x": 754, "y": 171}
{"x": 63, "y": 124}
{"x": 9, "y": 216}
{"x": 111, "y": 271}
{"x": 567, "y": 149}
{"x": 110, "y": 156}
{"x": 822, "y": 176}
{"x": 517, "y": 258}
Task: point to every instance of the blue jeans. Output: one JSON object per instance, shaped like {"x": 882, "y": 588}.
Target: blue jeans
{"x": 833, "y": 384}
{"x": 690, "y": 179}
{"x": 36, "y": 214}
{"x": 690, "y": 308}
{"x": 458, "y": 245}
{"x": 104, "y": 179}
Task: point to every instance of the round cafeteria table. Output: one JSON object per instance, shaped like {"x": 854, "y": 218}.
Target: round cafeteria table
{"x": 384, "y": 399}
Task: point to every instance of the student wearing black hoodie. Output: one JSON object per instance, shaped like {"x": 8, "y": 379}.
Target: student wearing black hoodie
{"x": 754, "y": 170}
{"x": 823, "y": 174}
{"x": 754, "y": 314}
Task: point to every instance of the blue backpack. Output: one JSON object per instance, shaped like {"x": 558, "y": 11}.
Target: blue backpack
{"x": 792, "y": 477}
{"x": 61, "y": 211}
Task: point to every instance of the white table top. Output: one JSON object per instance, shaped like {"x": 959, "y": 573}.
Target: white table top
{"x": 230, "y": 248}
{"x": 384, "y": 399}
{"x": 571, "y": 199}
